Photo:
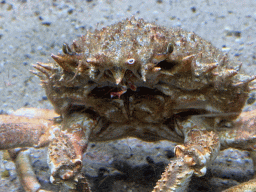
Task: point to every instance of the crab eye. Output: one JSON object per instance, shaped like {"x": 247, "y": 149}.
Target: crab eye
{"x": 130, "y": 61}
{"x": 170, "y": 48}
{"x": 66, "y": 49}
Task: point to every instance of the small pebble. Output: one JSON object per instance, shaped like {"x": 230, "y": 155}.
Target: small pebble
{"x": 46, "y": 23}
{"x": 193, "y": 9}
{"x": 5, "y": 174}
{"x": 44, "y": 98}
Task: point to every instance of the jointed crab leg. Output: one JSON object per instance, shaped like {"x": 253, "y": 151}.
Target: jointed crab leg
{"x": 70, "y": 144}
{"x": 242, "y": 134}
{"x": 21, "y": 131}
{"x": 246, "y": 186}
{"x": 34, "y": 132}
{"x": 66, "y": 150}
{"x": 26, "y": 174}
{"x": 178, "y": 173}
{"x": 200, "y": 148}
{"x": 176, "y": 177}
{"x": 16, "y": 131}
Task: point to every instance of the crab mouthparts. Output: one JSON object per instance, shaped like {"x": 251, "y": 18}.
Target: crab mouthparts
{"x": 118, "y": 93}
{"x": 123, "y": 90}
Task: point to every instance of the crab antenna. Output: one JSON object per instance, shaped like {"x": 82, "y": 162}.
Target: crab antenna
{"x": 77, "y": 70}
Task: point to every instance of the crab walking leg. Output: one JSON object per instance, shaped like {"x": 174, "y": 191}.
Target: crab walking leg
{"x": 66, "y": 150}
{"x": 242, "y": 134}
{"x": 26, "y": 174}
{"x": 17, "y": 131}
{"x": 176, "y": 177}
{"x": 200, "y": 148}
{"x": 246, "y": 186}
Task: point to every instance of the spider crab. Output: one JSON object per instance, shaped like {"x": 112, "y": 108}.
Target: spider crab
{"x": 135, "y": 79}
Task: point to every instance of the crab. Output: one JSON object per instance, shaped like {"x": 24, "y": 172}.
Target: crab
{"x": 135, "y": 79}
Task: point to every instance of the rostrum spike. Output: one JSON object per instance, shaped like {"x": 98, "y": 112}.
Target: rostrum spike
{"x": 118, "y": 74}
{"x": 62, "y": 62}
{"x": 75, "y": 47}
{"x": 183, "y": 66}
{"x": 44, "y": 82}
{"x": 42, "y": 70}
{"x": 231, "y": 73}
{"x": 38, "y": 73}
{"x": 245, "y": 81}
{"x": 46, "y": 66}
{"x": 201, "y": 68}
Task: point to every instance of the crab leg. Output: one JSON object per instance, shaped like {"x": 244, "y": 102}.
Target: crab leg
{"x": 242, "y": 135}
{"x": 66, "y": 150}
{"x": 26, "y": 174}
{"x": 246, "y": 186}
{"x": 176, "y": 177}
{"x": 179, "y": 172}
{"x": 200, "y": 148}
{"x": 16, "y": 131}
{"x": 21, "y": 131}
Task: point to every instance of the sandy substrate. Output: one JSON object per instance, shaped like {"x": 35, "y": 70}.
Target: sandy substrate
{"x": 31, "y": 30}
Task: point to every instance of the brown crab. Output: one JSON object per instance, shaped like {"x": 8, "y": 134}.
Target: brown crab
{"x": 136, "y": 79}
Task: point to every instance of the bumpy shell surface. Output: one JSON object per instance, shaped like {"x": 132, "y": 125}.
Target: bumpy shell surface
{"x": 142, "y": 73}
